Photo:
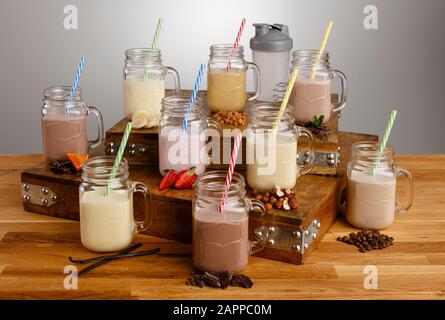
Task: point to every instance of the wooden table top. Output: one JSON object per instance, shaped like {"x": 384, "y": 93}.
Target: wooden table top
{"x": 34, "y": 250}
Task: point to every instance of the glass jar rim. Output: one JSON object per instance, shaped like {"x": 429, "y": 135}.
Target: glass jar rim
{"x": 143, "y": 51}
{"x": 308, "y": 53}
{"x": 269, "y": 111}
{"x": 178, "y": 105}
{"x": 226, "y": 49}
{"x": 100, "y": 168}
{"x": 371, "y": 149}
{"x": 215, "y": 181}
{"x": 62, "y": 93}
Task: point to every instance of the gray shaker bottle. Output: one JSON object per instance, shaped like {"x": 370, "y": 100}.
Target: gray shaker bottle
{"x": 271, "y": 48}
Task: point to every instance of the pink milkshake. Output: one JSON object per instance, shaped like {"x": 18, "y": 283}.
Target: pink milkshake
{"x": 180, "y": 150}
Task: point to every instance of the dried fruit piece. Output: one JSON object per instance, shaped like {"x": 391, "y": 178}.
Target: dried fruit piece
{"x": 77, "y": 159}
{"x": 168, "y": 180}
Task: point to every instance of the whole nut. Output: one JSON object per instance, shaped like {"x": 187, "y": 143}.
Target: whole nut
{"x": 272, "y": 200}
{"x": 286, "y": 205}
{"x": 265, "y": 199}
{"x": 258, "y": 197}
{"x": 268, "y": 206}
{"x": 279, "y": 204}
{"x": 293, "y": 203}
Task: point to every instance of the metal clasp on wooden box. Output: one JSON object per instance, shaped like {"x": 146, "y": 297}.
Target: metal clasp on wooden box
{"x": 293, "y": 240}
{"x": 39, "y": 195}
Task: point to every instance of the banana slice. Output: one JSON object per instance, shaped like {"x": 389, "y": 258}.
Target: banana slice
{"x": 139, "y": 119}
{"x": 153, "y": 121}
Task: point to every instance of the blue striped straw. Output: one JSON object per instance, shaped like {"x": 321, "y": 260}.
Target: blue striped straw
{"x": 75, "y": 82}
{"x": 193, "y": 96}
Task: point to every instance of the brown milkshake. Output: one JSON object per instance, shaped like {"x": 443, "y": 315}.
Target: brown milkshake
{"x": 370, "y": 200}
{"x": 63, "y": 134}
{"x": 311, "y": 98}
{"x": 221, "y": 240}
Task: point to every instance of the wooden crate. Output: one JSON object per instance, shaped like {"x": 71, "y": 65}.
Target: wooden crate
{"x": 142, "y": 147}
{"x": 291, "y": 232}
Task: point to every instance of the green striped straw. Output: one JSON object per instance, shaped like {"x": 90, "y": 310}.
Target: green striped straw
{"x": 120, "y": 152}
{"x": 385, "y": 138}
{"x": 153, "y": 44}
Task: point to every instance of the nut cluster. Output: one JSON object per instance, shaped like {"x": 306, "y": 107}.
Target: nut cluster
{"x": 282, "y": 199}
{"x": 368, "y": 240}
{"x": 233, "y": 118}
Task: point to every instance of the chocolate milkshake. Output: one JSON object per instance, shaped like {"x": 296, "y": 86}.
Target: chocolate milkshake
{"x": 221, "y": 240}
{"x": 63, "y": 134}
{"x": 311, "y": 98}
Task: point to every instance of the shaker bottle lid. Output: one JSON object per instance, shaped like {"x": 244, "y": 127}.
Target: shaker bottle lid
{"x": 271, "y": 37}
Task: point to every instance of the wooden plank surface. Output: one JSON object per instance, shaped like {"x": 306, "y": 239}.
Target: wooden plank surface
{"x": 34, "y": 250}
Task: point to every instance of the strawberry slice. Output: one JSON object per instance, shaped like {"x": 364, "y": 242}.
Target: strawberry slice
{"x": 186, "y": 178}
{"x": 168, "y": 180}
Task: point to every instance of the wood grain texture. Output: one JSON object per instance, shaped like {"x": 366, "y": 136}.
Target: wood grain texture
{"x": 34, "y": 250}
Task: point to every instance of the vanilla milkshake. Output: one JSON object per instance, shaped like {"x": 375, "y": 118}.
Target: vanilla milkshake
{"x": 106, "y": 222}
{"x": 144, "y": 95}
{"x": 371, "y": 200}
{"x": 274, "y": 163}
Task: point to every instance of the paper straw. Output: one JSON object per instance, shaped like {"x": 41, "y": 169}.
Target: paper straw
{"x": 291, "y": 84}
{"x": 75, "y": 82}
{"x": 120, "y": 152}
{"x": 322, "y": 45}
{"x": 154, "y": 41}
{"x": 235, "y": 45}
{"x": 193, "y": 96}
{"x": 229, "y": 176}
{"x": 385, "y": 138}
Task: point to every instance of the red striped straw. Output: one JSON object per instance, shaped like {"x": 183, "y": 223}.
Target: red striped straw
{"x": 235, "y": 45}
{"x": 230, "y": 172}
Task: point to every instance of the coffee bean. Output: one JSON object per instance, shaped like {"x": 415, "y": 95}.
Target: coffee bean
{"x": 345, "y": 238}
{"x": 362, "y": 250}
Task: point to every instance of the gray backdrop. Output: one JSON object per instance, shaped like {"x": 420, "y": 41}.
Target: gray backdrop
{"x": 400, "y": 65}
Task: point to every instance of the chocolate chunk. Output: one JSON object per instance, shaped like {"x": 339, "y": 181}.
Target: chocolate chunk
{"x": 212, "y": 280}
{"x": 241, "y": 281}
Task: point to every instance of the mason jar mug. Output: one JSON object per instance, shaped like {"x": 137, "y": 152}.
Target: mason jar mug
{"x": 221, "y": 239}
{"x": 144, "y": 86}
{"x": 226, "y": 78}
{"x": 64, "y": 128}
{"x": 107, "y": 221}
{"x": 311, "y": 95}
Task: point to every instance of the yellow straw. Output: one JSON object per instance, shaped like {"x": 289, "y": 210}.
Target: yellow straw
{"x": 291, "y": 84}
{"x": 322, "y": 46}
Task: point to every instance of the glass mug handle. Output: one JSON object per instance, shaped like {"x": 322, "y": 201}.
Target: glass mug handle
{"x": 343, "y": 95}
{"x": 100, "y": 127}
{"x": 405, "y": 173}
{"x": 307, "y": 167}
{"x": 257, "y": 78}
{"x": 175, "y": 74}
{"x": 148, "y": 217}
{"x": 261, "y": 233}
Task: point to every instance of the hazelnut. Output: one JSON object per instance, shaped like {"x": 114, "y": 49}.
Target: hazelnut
{"x": 265, "y": 199}
{"x": 279, "y": 204}
{"x": 293, "y": 203}
{"x": 268, "y": 206}
{"x": 286, "y": 205}
{"x": 258, "y": 197}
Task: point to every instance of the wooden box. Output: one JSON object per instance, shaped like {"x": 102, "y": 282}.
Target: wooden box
{"x": 292, "y": 234}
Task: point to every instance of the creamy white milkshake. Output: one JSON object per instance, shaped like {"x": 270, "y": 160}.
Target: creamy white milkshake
{"x": 106, "y": 222}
